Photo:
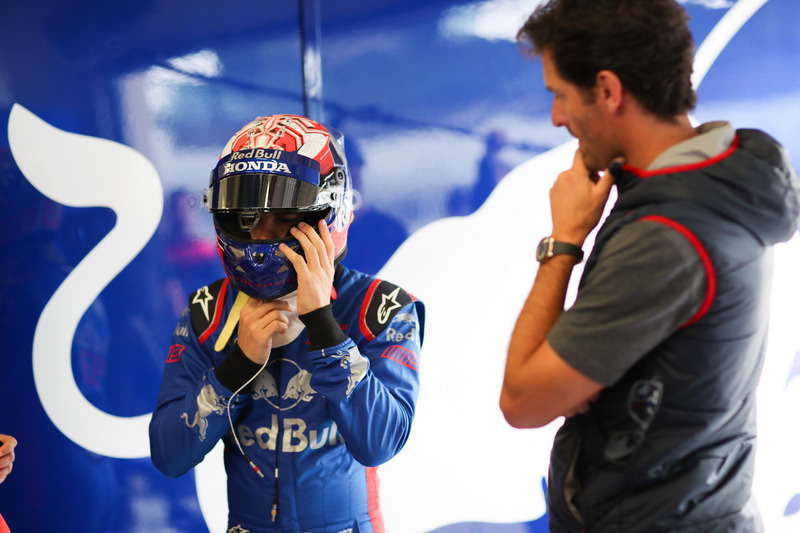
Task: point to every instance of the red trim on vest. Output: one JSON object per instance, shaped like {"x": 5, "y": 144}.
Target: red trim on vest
{"x": 362, "y": 316}
{"x": 373, "y": 500}
{"x": 704, "y": 257}
{"x": 3, "y": 526}
{"x": 684, "y": 168}
{"x": 217, "y": 312}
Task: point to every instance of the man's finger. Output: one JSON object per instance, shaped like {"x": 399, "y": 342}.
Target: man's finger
{"x": 605, "y": 181}
{"x": 255, "y": 308}
{"x": 325, "y": 234}
{"x": 578, "y": 164}
{"x": 307, "y": 238}
{"x": 297, "y": 260}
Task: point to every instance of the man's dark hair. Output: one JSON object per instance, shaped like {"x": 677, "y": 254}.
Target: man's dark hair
{"x": 646, "y": 43}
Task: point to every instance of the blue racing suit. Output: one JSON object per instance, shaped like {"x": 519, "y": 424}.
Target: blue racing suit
{"x": 329, "y": 406}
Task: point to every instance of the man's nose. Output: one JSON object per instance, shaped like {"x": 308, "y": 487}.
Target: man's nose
{"x": 557, "y": 115}
{"x": 268, "y": 228}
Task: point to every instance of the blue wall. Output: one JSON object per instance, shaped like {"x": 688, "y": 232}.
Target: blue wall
{"x": 116, "y": 112}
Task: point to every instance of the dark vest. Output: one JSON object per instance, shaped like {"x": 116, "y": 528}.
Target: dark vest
{"x": 670, "y": 446}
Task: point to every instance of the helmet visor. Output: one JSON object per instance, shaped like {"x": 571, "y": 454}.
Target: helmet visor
{"x": 263, "y": 192}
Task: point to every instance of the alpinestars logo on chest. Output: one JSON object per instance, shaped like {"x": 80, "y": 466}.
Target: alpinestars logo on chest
{"x": 202, "y": 297}
{"x": 388, "y": 305}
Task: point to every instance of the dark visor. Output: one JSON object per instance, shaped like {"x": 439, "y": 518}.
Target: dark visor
{"x": 262, "y": 191}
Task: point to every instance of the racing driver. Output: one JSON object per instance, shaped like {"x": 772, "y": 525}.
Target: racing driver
{"x": 306, "y": 370}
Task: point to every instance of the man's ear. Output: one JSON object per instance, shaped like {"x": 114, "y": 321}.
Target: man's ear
{"x": 608, "y": 90}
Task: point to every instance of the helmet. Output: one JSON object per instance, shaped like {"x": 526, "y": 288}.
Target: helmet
{"x": 277, "y": 164}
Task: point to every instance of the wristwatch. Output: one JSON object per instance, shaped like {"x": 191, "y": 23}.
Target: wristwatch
{"x": 548, "y": 247}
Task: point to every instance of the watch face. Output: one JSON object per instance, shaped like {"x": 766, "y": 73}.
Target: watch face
{"x": 542, "y": 248}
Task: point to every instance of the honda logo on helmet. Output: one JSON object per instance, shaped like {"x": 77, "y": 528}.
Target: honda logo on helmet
{"x": 268, "y": 165}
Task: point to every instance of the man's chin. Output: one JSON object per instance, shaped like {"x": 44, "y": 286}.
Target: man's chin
{"x": 590, "y": 161}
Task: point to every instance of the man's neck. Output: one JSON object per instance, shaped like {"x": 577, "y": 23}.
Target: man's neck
{"x": 648, "y": 137}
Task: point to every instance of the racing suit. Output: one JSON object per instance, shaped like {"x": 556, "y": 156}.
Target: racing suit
{"x": 329, "y": 406}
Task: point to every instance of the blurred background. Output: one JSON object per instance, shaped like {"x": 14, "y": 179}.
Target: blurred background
{"x": 114, "y": 114}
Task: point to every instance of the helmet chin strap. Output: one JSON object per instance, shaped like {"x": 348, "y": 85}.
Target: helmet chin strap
{"x": 292, "y": 332}
{"x": 295, "y": 325}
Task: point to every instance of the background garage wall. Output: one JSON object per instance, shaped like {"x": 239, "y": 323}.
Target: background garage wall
{"x": 449, "y": 138}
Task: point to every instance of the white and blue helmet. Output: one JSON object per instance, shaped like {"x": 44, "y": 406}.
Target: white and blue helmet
{"x": 277, "y": 164}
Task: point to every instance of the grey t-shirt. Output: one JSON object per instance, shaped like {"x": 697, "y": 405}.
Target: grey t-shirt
{"x": 647, "y": 282}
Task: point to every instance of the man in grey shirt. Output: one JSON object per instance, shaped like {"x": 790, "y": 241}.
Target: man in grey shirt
{"x": 655, "y": 365}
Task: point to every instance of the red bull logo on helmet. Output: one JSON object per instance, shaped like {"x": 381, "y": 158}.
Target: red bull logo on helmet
{"x": 291, "y": 133}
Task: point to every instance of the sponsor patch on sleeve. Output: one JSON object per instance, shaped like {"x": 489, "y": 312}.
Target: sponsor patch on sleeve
{"x": 402, "y": 355}
{"x": 381, "y": 303}
{"x": 174, "y": 354}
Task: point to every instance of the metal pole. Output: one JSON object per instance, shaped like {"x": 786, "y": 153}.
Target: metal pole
{"x": 312, "y": 62}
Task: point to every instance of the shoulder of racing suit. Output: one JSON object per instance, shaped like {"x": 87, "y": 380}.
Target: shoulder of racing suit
{"x": 382, "y": 303}
{"x": 206, "y": 307}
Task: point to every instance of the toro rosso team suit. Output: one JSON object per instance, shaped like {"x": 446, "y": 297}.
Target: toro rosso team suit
{"x": 329, "y": 406}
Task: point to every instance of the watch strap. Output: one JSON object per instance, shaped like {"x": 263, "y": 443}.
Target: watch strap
{"x": 548, "y": 247}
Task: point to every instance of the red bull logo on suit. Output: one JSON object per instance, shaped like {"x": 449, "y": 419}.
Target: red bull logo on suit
{"x": 296, "y": 435}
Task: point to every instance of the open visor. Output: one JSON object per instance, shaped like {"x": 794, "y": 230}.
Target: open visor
{"x": 265, "y": 192}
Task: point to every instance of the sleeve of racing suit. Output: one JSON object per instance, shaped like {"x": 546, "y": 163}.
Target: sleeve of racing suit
{"x": 191, "y": 410}
{"x": 372, "y": 388}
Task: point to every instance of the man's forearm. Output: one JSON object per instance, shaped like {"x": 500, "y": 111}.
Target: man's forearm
{"x": 543, "y": 306}
{"x": 526, "y": 390}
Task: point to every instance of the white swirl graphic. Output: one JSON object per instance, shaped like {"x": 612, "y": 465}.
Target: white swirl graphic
{"x": 81, "y": 171}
